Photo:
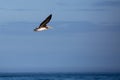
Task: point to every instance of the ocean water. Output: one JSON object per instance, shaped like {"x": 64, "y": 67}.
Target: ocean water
{"x": 59, "y": 76}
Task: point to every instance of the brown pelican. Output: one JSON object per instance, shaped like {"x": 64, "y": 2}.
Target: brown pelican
{"x": 43, "y": 25}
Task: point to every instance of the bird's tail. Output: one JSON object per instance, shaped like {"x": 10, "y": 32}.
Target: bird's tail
{"x": 49, "y": 27}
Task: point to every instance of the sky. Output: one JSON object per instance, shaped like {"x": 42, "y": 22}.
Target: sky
{"x": 85, "y": 36}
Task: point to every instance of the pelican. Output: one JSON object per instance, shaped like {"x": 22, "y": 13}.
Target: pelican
{"x": 43, "y": 25}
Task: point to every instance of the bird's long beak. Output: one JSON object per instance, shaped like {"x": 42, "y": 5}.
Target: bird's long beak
{"x": 35, "y": 29}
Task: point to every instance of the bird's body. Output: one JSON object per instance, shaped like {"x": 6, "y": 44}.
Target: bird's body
{"x": 41, "y": 29}
{"x": 43, "y": 26}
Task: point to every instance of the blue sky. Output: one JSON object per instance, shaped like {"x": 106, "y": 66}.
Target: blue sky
{"x": 84, "y": 38}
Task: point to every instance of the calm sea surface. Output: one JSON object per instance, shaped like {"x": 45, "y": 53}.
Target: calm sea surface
{"x": 59, "y": 76}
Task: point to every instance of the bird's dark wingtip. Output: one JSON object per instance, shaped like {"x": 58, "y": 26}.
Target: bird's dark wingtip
{"x": 50, "y": 15}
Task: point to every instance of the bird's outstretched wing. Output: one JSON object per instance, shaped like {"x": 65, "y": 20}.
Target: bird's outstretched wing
{"x": 43, "y": 24}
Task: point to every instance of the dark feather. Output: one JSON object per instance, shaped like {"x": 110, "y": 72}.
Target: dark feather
{"x": 43, "y": 24}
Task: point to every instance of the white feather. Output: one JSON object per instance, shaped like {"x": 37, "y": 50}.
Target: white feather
{"x": 41, "y": 29}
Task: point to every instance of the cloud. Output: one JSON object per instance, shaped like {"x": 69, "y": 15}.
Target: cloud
{"x": 108, "y": 3}
{"x": 19, "y": 9}
{"x": 86, "y": 9}
{"x": 60, "y": 27}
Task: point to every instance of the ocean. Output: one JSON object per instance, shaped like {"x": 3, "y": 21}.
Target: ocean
{"x": 58, "y": 76}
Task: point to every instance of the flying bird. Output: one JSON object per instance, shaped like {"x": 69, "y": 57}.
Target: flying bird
{"x": 43, "y": 25}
